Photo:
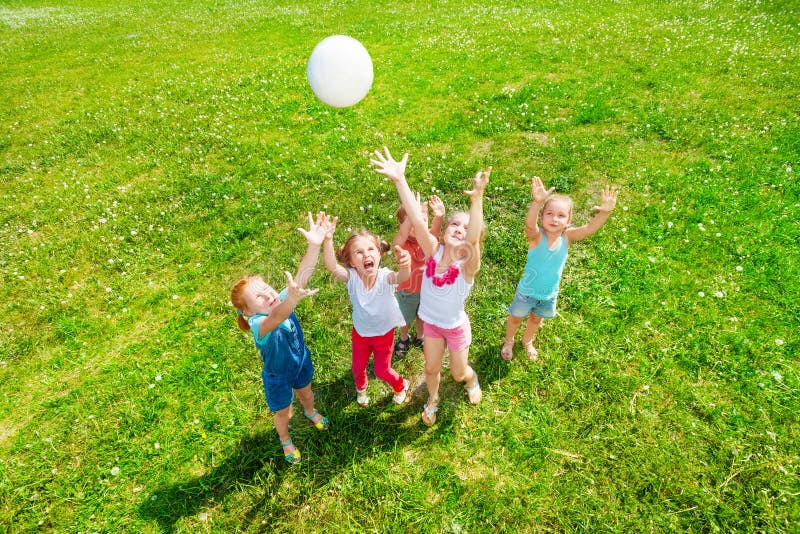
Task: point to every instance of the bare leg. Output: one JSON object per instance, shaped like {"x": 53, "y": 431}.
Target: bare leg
{"x": 512, "y": 324}
{"x": 433, "y": 349}
{"x": 306, "y": 397}
{"x": 531, "y": 328}
{"x": 462, "y": 372}
{"x": 281, "y": 418}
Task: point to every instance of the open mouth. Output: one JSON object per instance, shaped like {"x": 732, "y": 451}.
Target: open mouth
{"x": 369, "y": 264}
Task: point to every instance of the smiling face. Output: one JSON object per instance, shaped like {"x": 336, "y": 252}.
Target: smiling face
{"x": 455, "y": 232}
{"x": 557, "y": 215}
{"x": 259, "y": 297}
{"x": 364, "y": 256}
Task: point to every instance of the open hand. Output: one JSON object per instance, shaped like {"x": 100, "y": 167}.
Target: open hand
{"x": 538, "y": 192}
{"x": 436, "y": 205}
{"x": 481, "y": 179}
{"x": 315, "y": 234}
{"x": 608, "y": 200}
{"x": 385, "y": 164}
{"x": 294, "y": 291}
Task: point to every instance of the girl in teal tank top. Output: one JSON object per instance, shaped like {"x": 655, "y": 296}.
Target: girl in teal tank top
{"x": 537, "y": 290}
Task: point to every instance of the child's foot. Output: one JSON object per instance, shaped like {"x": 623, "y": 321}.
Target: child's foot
{"x": 401, "y": 347}
{"x": 361, "y": 397}
{"x": 418, "y": 342}
{"x": 400, "y": 396}
{"x": 290, "y": 453}
{"x": 429, "y": 412}
{"x": 318, "y": 420}
{"x": 530, "y": 350}
{"x": 474, "y": 393}
{"x": 507, "y": 352}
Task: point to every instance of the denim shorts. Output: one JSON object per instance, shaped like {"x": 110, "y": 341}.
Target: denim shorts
{"x": 523, "y": 305}
{"x": 278, "y": 388}
{"x": 409, "y": 304}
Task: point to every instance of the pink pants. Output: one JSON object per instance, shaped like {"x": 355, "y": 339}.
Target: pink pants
{"x": 382, "y": 347}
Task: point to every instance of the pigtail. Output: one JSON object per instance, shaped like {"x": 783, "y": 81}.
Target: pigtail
{"x": 384, "y": 246}
{"x": 343, "y": 253}
{"x": 238, "y": 302}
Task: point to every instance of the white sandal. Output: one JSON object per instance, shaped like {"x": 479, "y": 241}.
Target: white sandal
{"x": 429, "y": 412}
{"x": 474, "y": 393}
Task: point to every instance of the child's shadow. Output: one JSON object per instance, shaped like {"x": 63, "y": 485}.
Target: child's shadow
{"x": 355, "y": 435}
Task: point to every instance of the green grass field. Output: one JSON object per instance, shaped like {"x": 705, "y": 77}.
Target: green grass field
{"x": 151, "y": 153}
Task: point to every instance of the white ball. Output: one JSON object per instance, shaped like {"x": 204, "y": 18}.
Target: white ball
{"x": 340, "y": 71}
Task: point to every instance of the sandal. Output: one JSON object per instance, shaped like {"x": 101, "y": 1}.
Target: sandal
{"x": 474, "y": 393}
{"x": 507, "y": 352}
{"x": 418, "y": 342}
{"x": 294, "y": 456}
{"x": 400, "y": 396}
{"x": 322, "y": 424}
{"x": 530, "y": 350}
{"x": 429, "y": 413}
{"x": 361, "y": 397}
{"x": 401, "y": 347}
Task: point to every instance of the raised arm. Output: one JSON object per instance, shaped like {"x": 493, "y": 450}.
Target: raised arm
{"x": 539, "y": 195}
{"x": 329, "y": 255}
{"x": 403, "y": 266}
{"x": 437, "y": 207}
{"x": 403, "y": 231}
{"x": 608, "y": 200}
{"x": 475, "y": 227}
{"x": 396, "y": 172}
{"x": 314, "y": 235}
{"x": 294, "y": 294}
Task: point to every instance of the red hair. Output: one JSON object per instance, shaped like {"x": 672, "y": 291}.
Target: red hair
{"x": 237, "y": 299}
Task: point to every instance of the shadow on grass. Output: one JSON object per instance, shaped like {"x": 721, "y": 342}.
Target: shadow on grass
{"x": 356, "y": 434}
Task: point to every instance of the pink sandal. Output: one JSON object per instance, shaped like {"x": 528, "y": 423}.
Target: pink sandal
{"x": 507, "y": 352}
{"x": 530, "y": 350}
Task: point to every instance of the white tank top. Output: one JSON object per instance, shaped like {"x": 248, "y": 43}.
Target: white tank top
{"x": 375, "y": 311}
{"x": 442, "y": 301}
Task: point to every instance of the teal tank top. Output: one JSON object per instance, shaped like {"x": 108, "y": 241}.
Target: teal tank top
{"x": 543, "y": 268}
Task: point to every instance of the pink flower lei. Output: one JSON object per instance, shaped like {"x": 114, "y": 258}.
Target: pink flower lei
{"x": 447, "y": 278}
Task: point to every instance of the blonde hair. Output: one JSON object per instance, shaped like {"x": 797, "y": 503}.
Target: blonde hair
{"x": 343, "y": 252}
{"x": 484, "y": 228}
{"x": 561, "y": 198}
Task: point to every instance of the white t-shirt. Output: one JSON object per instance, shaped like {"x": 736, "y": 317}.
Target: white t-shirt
{"x": 375, "y": 310}
{"x": 443, "y": 306}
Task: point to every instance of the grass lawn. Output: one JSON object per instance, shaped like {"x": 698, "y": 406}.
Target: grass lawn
{"x": 151, "y": 153}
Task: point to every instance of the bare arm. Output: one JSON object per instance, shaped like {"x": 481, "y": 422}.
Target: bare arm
{"x": 295, "y": 293}
{"x": 395, "y": 171}
{"x": 403, "y": 232}
{"x": 437, "y": 207}
{"x": 539, "y": 195}
{"x": 403, "y": 266}
{"x": 475, "y": 228}
{"x": 329, "y": 256}
{"x": 608, "y": 200}
{"x": 314, "y": 235}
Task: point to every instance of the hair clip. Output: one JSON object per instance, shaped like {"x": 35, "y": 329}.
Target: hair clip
{"x": 239, "y": 312}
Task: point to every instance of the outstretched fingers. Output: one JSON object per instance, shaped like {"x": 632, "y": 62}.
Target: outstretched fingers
{"x": 479, "y": 184}
{"x": 295, "y": 290}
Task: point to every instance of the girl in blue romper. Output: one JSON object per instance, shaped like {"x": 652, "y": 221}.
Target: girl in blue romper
{"x": 269, "y": 315}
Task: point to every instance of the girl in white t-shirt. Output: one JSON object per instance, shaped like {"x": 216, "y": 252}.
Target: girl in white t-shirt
{"x": 451, "y": 266}
{"x": 375, "y": 309}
